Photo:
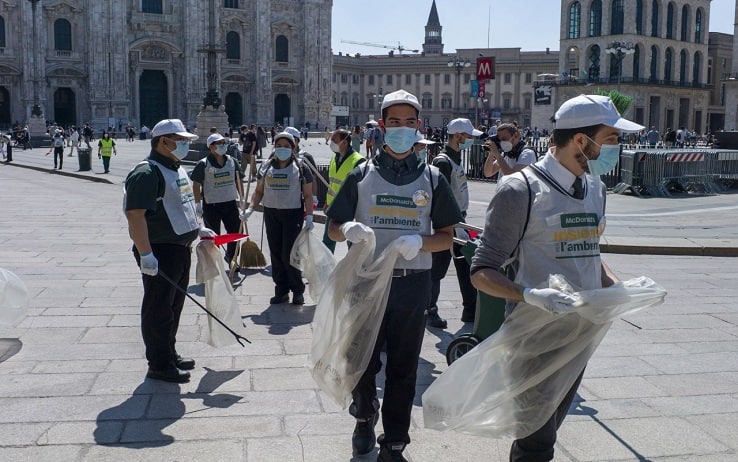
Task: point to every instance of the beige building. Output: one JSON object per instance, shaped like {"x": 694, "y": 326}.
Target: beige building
{"x": 655, "y": 51}
{"x": 441, "y": 81}
{"x": 138, "y": 61}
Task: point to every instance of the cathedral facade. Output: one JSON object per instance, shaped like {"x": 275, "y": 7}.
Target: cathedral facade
{"x": 112, "y": 63}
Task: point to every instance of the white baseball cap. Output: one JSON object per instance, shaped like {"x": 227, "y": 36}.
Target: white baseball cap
{"x": 422, "y": 140}
{"x": 462, "y": 126}
{"x": 286, "y": 136}
{"x": 400, "y": 97}
{"x": 293, "y": 131}
{"x": 588, "y": 110}
{"x": 172, "y": 127}
{"x": 213, "y": 138}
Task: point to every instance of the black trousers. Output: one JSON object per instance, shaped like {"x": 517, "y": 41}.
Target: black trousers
{"x": 59, "y": 152}
{"x": 402, "y": 331}
{"x": 539, "y": 446}
{"x": 282, "y": 228}
{"x": 441, "y": 261}
{"x": 223, "y": 212}
{"x": 162, "y": 303}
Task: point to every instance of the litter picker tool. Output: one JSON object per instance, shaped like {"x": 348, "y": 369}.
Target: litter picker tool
{"x": 174, "y": 284}
{"x": 248, "y": 254}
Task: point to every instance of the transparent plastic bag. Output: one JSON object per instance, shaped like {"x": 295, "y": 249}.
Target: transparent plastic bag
{"x": 220, "y": 299}
{"x": 314, "y": 259}
{"x": 348, "y": 317}
{"x": 511, "y": 383}
{"x": 13, "y": 299}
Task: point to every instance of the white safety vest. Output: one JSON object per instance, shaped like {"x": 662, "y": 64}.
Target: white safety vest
{"x": 282, "y": 187}
{"x": 458, "y": 183}
{"x": 563, "y": 234}
{"x": 179, "y": 199}
{"x": 393, "y": 211}
{"x": 219, "y": 184}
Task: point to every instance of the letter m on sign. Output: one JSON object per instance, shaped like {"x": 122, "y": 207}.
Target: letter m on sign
{"x": 485, "y": 68}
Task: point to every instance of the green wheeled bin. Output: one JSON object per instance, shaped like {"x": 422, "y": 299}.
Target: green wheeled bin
{"x": 490, "y": 312}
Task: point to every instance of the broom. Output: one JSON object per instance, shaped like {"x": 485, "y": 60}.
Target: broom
{"x": 248, "y": 254}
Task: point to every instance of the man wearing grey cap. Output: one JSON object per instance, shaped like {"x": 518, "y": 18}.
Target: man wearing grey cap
{"x": 162, "y": 222}
{"x": 547, "y": 219}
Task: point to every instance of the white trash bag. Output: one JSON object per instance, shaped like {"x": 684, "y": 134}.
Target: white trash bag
{"x": 511, "y": 383}
{"x": 348, "y": 317}
{"x": 220, "y": 299}
{"x": 314, "y": 259}
{"x": 13, "y": 299}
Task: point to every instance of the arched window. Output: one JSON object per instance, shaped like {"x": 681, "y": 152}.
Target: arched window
{"x": 231, "y": 4}
{"x": 685, "y": 24}
{"x": 698, "y": 26}
{"x": 2, "y": 32}
{"x": 595, "y": 18}
{"x": 282, "y": 47}
{"x": 355, "y": 101}
{"x": 655, "y": 18}
{"x": 696, "y": 69}
{"x": 654, "y": 68}
{"x": 62, "y": 35}
{"x": 670, "y": 21}
{"x": 683, "y": 67}
{"x": 344, "y": 99}
{"x": 233, "y": 45}
{"x": 151, "y": 6}
{"x": 615, "y": 66}
{"x": 636, "y": 62}
{"x": 639, "y": 17}
{"x": 668, "y": 59}
{"x": 594, "y": 63}
{"x": 617, "y": 20}
{"x": 575, "y": 18}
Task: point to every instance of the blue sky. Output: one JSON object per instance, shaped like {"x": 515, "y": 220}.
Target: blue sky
{"x": 531, "y": 24}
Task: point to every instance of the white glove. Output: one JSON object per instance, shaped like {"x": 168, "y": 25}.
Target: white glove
{"x": 149, "y": 264}
{"x": 205, "y": 232}
{"x": 355, "y": 232}
{"x": 244, "y": 216}
{"x": 198, "y": 209}
{"x": 315, "y": 201}
{"x": 410, "y": 245}
{"x": 309, "y": 222}
{"x": 461, "y": 233}
{"x": 550, "y": 300}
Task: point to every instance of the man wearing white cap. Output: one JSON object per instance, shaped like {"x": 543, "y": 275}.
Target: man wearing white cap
{"x": 303, "y": 154}
{"x": 403, "y": 199}
{"x": 162, "y": 221}
{"x": 461, "y": 134}
{"x": 217, "y": 183}
{"x": 548, "y": 219}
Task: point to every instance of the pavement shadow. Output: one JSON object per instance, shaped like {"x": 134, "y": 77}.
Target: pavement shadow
{"x": 578, "y": 408}
{"x": 9, "y": 347}
{"x": 209, "y": 383}
{"x": 281, "y": 318}
{"x": 133, "y": 410}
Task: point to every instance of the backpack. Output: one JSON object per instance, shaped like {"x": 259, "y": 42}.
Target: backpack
{"x": 377, "y": 137}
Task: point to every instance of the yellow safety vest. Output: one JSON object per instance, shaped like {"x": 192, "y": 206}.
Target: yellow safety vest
{"x": 336, "y": 177}
{"x": 106, "y": 148}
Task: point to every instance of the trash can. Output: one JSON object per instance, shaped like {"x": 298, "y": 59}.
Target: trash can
{"x": 85, "y": 159}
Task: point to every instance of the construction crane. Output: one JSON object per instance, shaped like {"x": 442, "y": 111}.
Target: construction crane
{"x": 399, "y": 46}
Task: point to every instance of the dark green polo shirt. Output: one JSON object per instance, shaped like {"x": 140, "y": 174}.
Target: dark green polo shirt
{"x": 144, "y": 184}
{"x": 444, "y": 209}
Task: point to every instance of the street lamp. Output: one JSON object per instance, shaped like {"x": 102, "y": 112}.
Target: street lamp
{"x": 378, "y": 97}
{"x": 620, "y": 50}
{"x": 481, "y": 102}
{"x": 459, "y": 64}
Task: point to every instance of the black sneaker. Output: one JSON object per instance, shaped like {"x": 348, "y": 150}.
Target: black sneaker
{"x": 434, "y": 320}
{"x": 298, "y": 299}
{"x": 390, "y": 452}
{"x": 277, "y": 299}
{"x": 185, "y": 364}
{"x": 363, "y": 439}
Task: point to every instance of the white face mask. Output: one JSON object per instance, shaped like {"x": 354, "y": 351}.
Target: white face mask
{"x": 221, "y": 149}
{"x": 506, "y": 146}
{"x": 335, "y": 147}
{"x": 180, "y": 152}
{"x": 422, "y": 155}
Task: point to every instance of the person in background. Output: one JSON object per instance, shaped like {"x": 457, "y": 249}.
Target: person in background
{"x": 105, "y": 149}
{"x": 74, "y": 141}
{"x": 307, "y": 157}
{"x": 57, "y": 144}
{"x": 507, "y": 153}
{"x": 248, "y": 142}
{"x": 162, "y": 222}
{"x": 217, "y": 184}
{"x": 526, "y": 219}
{"x": 356, "y": 139}
{"x": 282, "y": 183}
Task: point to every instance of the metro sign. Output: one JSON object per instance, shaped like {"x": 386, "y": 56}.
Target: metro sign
{"x": 485, "y": 68}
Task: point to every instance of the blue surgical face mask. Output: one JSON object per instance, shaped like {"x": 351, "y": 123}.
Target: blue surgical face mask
{"x": 422, "y": 155}
{"x": 606, "y": 161}
{"x": 282, "y": 153}
{"x": 466, "y": 144}
{"x": 183, "y": 147}
{"x": 399, "y": 139}
{"x": 221, "y": 149}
